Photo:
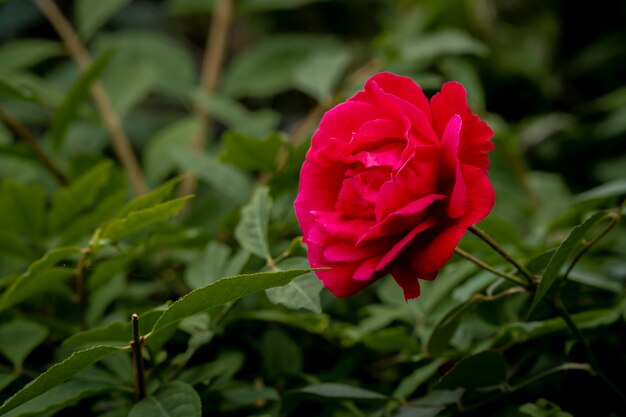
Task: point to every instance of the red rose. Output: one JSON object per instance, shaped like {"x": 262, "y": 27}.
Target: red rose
{"x": 391, "y": 183}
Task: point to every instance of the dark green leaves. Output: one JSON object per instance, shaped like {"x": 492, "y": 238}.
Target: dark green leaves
{"x": 18, "y": 338}
{"x": 173, "y": 400}
{"x": 140, "y": 219}
{"x": 560, "y": 257}
{"x": 341, "y": 392}
{"x": 40, "y": 277}
{"x": 57, "y": 374}
{"x": 477, "y": 371}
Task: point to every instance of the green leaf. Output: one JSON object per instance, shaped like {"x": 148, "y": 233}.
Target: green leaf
{"x": 250, "y": 153}
{"x": 255, "y": 6}
{"x": 412, "y": 382}
{"x": 22, "y": 208}
{"x": 214, "y": 263}
{"x": 446, "y": 327}
{"x": 18, "y": 338}
{"x": 25, "y": 53}
{"x": 302, "y": 292}
{"x": 319, "y": 74}
{"x": 158, "y": 159}
{"x": 235, "y": 115}
{"x": 248, "y": 396}
{"x": 12, "y": 246}
{"x": 560, "y": 257}
{"x": 172, "y": 400}
{"x": 138, "y": 220}
{"x": 223, "y": 178}
{"x": 90, "y": 15}
{"x": 68, "y": 110}
{"x": 273, "y": 64}
{"x": 85, "y": 224}
{"x": 6, "y": 379}
{"x": 543, "y": 408}
{"x": 60, "y": 397}
{"x": 150, "y": 199}
{"x": 79, "y": 196}
{"x": 341, "y": 391}
{"x": 430, "y": 405}
{"x": 58, "y": 374}
{"x": 220, "y": 370}
{"x": 609, "y": 189}
{"x": 251, "y": 232}
{"x": 477, "y": 371}
{"x": 441, "y": 43}
{"x": 13, "y": 89}
{"x": 221, "y": 292}
{"x": 101, "y": 298}
{"x": 145, "y": 61}
{"x": 39, "y": 276}
{"x": 281, "y": 353}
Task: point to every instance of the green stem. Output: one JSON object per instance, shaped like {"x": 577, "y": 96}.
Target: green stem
{"x": 137, "y": 344}
{"x": 503, "y": 252}
{"x": 558, "y": 303}
{"x": 487, "y": 267}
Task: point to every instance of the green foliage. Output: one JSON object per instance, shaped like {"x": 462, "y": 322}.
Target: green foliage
{"x": 234, "y": 321}
{"x": 477, "y": 371}
{"x": 76, "y": 95}
{"x": 24, "y": 336}
{"x": 173, "y": 400}
{"x": 57, "y": 374}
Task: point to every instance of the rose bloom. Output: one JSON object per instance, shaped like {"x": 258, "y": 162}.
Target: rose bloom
{"x": 391, "y": 183}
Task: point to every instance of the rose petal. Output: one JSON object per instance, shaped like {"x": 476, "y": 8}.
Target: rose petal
{"x": 393, "y": 106}
{"x": 432, "y": 254}
{"x": 406, "y": 278}
{"x": 450, "y": 174}
{"x": 366, "y": 270}
{"x": 404, "y": 243}
{"x": 401, "y": 220}
{"x": 339, "y": 280}
{"x": 474, "y": 143}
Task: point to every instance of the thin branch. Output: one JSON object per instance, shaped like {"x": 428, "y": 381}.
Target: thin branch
{"x": 21, "y": 132}
{"x": 77, "y": 51}
{"x": 517, "y": 280}
{"x": 137, "y": 344}
{"x": 212, "y": 62}
{"x": 503, "y": 252}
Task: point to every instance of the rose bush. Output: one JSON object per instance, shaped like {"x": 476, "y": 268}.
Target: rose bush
{"x": 391, "y": 183}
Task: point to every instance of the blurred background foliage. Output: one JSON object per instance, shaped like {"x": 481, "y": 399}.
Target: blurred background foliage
{"x": 76, "y": 260}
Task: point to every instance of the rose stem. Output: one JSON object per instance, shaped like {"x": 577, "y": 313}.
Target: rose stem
{"x": 487, "y": 267}
{"x": 136, "y": 344}
{"x": 503, "y": 252}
